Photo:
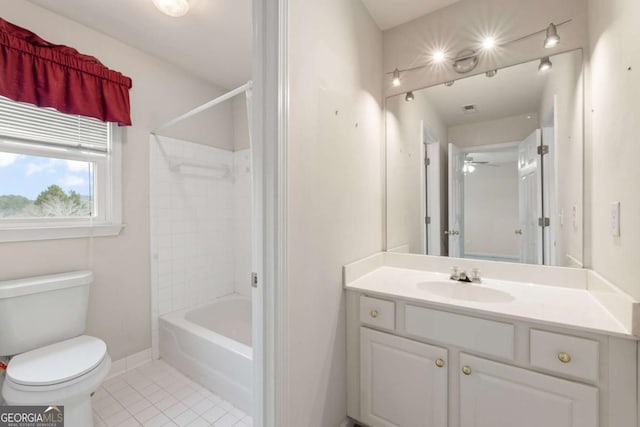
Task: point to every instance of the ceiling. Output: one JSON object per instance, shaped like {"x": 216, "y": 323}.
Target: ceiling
{"x": 513, "y": 91}
{"x": 391, "y": 13}
{"x": 213, "y": 41}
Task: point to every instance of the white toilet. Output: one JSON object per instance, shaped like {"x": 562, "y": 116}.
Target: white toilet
{"x": 41, "y": 324}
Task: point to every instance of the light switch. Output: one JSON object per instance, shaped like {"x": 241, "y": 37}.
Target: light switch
{"x": 615, "y": 219}
{"x": 574, "y": 217}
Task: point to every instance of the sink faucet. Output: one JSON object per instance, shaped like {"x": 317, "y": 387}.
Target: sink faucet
{"x": 462, "y": 276}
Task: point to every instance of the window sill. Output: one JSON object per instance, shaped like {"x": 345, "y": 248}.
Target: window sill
{"x": 25, "y": 234}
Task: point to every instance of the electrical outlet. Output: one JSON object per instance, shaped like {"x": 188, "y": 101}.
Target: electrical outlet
{"x": 615, "y": 219}
{"x": 574, "y": 217}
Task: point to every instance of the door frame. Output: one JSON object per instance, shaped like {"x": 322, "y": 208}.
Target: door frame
{"x": 430, "y": 191}
{"x": 269, "y": 133}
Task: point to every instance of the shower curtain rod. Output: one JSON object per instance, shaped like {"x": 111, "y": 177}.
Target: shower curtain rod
{"x": 245, "y": 87}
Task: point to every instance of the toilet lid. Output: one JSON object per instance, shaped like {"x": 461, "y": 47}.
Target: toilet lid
{"x": 57, "y": 363}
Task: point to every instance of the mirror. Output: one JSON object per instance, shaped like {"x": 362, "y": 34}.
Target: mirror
{"x": 490, "y": 167}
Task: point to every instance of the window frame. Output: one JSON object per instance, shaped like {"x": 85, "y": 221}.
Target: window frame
{"x": 107, "y": 189}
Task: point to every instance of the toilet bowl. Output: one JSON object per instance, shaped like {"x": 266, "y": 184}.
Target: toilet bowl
{"x": 62, "y": 374}
{"x": 42, "y": 321}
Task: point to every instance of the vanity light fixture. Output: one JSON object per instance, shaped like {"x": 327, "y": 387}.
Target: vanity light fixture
{"x": 449, "y": 83}
{"x": 545, "y": 65}
{"x": 409, "y": 96}
{"x": 468, "y": 59}
{"x": 173, "y": 8}
{"x": 552, "y": 39}
{"x": 396, "y": 77}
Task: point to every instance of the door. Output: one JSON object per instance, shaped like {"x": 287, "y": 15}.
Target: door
{"x": 456, "y": 202}
{"x": 403, "y": 383}
{"x": 497, "y": 395}
{"x": 530, "y": 199}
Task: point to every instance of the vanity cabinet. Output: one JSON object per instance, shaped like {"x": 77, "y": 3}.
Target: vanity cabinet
{"x": 498, "y": 395}
{"x": 416, "y": 365}
{"x": 403, "y": 382}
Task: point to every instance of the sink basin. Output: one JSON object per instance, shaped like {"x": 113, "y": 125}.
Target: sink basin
{"x": 464, "y": 291}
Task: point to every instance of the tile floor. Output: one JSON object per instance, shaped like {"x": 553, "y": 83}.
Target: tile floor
{"x": 156, "y": 394}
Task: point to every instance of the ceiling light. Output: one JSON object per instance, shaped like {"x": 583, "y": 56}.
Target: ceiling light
{"x": 449, "y": 83}
{"x": 409, "y": 97}
{"x": 438, "y": 56}
{"x": 396, "y": 77}
{"x": 488, "y": 43}
{"x": 174, "y": 8}
{"x": 545, "y": 64}
{"x": 492, "y": 73}
{"x": 552, "y": 38}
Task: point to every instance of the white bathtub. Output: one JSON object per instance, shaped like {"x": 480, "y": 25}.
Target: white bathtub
{"x": 212, "y": 345}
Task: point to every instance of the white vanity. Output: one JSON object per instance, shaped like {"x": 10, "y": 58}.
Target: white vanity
{"x": 424, "y": 350}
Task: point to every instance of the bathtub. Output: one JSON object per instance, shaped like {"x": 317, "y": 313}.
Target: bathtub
{"x": 212, "y": 344}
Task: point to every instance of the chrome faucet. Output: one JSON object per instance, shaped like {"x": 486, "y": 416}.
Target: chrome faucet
{"x": 462, "y": 276}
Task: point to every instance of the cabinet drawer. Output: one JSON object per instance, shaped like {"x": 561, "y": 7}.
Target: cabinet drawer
{"x": 470, "y": 333}
{"x": 377, "y": 312}
{"x": 578, "y": 357}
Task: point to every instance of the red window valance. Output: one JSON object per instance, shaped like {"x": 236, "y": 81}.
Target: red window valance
{"x": 38, "y": 72}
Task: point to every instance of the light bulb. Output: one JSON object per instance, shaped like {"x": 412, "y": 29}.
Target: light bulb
{"x": 488, "y": 43}
{"x": 396, "y": 77}
{"x": 409, "y": 97}
{"x": 174, "y": 8}
{"x": 545, "y": 64}
{"x": 438, "y": 56}
{"x": 552, "y": 39}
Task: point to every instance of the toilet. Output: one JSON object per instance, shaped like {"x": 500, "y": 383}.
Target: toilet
{"x": 42, "y": 321}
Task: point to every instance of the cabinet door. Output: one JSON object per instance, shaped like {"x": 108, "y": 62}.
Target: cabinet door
{"x": 497, "y": 395}
{"x": 403, "y": 383}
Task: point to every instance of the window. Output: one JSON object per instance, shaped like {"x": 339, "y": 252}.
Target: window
{"x": 59, "y": 174}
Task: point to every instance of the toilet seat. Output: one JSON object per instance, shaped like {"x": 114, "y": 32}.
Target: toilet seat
{"x": 57, "y": 363}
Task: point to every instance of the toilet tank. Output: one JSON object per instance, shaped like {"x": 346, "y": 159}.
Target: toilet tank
{"x": 38, "y": 311}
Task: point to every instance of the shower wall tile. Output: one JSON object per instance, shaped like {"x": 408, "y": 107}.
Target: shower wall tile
{"x": 200, "y": 225}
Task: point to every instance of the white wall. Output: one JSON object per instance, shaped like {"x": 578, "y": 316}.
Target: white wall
{"x": 404, "y": 165}
{"x": 240, "y": 122}
{"x": 119, "y": 306}
{"x": 464, "y": 24}
{"x": 612, "y": 161}
{"x": 491, "y": 192}
{"x": 335, "y": 193}
{"x": 503, "y": 130}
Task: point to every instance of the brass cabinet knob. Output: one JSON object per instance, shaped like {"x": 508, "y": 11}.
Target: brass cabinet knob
{"x": 374, "y": 313}
{"x": 466, "y": 370}
{"x": 439, "y": 363}
{"x": 519, "y": 232}
{"x": 564, "y": 357}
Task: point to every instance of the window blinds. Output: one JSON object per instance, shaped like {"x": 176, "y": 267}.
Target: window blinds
{"x": 46, "y": 126}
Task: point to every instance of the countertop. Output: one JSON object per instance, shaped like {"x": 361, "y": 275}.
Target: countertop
{"x": 559, "y": 306}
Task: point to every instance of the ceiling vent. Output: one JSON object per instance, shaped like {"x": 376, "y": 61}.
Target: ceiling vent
{"x": 469, "y": 109}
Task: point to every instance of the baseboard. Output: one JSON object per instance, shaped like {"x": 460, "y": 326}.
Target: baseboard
{"x": 349, "y": 423}
{"x": 130, "y": 362}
